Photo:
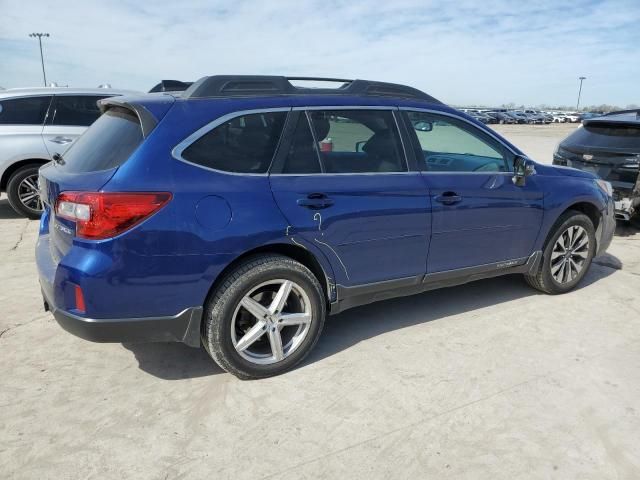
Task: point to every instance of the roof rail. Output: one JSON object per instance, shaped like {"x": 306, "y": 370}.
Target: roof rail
{"x": 260, "y": 85}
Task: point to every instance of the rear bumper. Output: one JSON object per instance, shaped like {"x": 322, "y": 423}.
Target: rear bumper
{"x": 183, "y": 327}
{"x": 57, "y": 282}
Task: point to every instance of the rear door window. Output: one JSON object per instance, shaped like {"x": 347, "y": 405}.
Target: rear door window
{"x": 107, "y": 144}
{"x": 74, "y": 110}
{"x": 244, "y": 144}
{"x": 358, "y": 141}
{"x": 24, "y": 111}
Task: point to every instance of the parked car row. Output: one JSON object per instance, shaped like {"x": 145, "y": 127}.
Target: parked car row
{"x": 527, "y": 116}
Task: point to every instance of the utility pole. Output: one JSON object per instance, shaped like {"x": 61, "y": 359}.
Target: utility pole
{"x": 579, "y": 92}
{"x": 39, "y": 36}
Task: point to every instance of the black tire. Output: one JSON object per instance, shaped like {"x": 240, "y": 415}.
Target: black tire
{"x": 543, "y": 279}
{"x": 13, "y": 187}
{"x": 222, "y": 304}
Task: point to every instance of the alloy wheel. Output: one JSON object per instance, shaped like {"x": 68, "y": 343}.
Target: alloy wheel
{"x": 271, "y": 321}
{"x": 569, "y": 254}
{"x": 29, "y": 194}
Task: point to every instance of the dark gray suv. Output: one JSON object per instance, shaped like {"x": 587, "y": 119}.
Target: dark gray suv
{"x": 608, "y": 146}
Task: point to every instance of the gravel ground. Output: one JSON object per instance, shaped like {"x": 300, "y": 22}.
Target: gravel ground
{"x": 537, "y": 141}
{"x": 486, "y": 380}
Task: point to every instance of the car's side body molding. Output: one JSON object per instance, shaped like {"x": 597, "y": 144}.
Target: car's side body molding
{"x": 349, "y": 297}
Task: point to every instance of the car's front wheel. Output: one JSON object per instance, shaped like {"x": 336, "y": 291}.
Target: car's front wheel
{"x": 264, "y": 318}
{"x": 23, "y": 192}
{"x": 567, "y": 254}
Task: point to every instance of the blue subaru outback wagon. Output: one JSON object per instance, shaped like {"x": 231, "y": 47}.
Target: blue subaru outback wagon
{"x": 236, "y": 214}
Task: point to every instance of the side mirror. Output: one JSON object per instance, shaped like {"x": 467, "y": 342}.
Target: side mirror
{"x": 423, "y": 126}
{"x": 522, "y": 168}
{"x": 360, "y": 145}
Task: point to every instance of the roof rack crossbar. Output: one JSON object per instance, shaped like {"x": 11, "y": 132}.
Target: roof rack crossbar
{"x": 321, "y": 79}
{"x": 260, "y": 85}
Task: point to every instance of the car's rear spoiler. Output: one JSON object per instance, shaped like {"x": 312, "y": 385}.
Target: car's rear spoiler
{"x": 612, "y": 121}
{"x": 170, "y": 86}
{"x": 147, "y": 121}
{"x": 617, "y": 112}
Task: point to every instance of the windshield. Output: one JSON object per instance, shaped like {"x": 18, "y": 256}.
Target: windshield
{"x": 107, "y": 144}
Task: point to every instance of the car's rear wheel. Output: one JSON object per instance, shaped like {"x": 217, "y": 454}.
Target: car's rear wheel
{"x": 264, "y": 318}
{"x": 23, "y": 192}
{"x": 567, "y": 254}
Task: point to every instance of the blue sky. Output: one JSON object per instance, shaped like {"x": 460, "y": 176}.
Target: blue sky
{"x": 463, "y": 52}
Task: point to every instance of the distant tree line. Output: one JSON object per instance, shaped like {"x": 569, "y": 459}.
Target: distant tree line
{"x": 604, "y": 108}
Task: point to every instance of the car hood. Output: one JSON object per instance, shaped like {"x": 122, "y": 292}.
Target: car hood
{"x": 569, "y": 172}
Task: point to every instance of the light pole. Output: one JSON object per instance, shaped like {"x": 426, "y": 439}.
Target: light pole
{"x": 579, "y": 92}
{"x": 40, "y": 35}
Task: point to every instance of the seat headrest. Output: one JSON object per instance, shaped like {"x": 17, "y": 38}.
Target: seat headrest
{"x": 321, "y": 126}
{"x": 381, "y": 144}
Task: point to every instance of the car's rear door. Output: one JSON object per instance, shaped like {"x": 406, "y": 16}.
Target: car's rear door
{"x": 479, "y": 217}
{"x": 21, "y": 124}
{"x": 68, "y": 118}
{"x": 345, "y": 187}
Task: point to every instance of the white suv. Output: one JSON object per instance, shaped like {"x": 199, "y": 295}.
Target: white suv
{"x": 35, "y": 124}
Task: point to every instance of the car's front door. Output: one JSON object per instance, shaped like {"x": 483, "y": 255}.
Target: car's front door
{"x": 68, "y": 118}
{"x": 479, "y": 217}
{"x": 345, "y": 187}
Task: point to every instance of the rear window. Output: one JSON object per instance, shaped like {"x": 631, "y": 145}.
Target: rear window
{"x": 24, "y": 111}
{"x": 107, "y": 144}
{"x": 244, "y": 144}
{"x": 606, "y": 135}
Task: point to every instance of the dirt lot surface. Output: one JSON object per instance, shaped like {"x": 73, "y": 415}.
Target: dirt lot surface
{"x": 537, "y": 141}
{"x": 487, "y": 380}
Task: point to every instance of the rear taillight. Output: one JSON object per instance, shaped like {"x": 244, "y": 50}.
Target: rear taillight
{"x": 100, "y": 215}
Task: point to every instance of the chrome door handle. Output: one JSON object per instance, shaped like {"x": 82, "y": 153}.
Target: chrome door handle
{"x": 61, "y": 140}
